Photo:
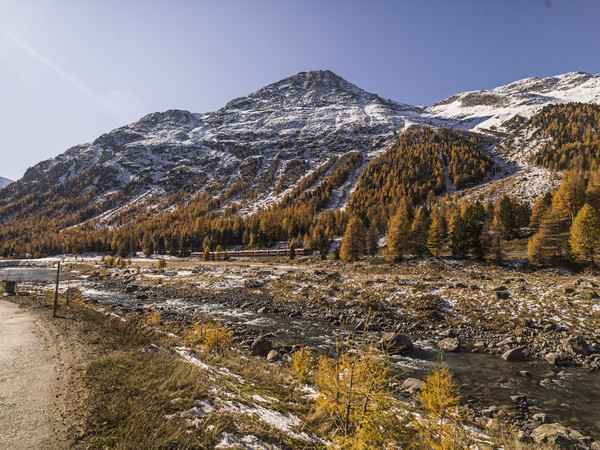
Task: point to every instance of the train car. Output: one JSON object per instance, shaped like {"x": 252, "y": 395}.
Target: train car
{"x": 251, "y": 253}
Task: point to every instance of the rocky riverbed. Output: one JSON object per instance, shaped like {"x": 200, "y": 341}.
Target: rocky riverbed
{"x": 534, "y": 359}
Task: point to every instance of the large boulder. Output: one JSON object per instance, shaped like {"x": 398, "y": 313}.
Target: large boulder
{"x": 558, "y": 435}
{"x": 558, "y": 359}
{"x": 396, "y": 343}
{"x": 261, "y": 347}
{"x": 517, "y": 354}
{"x": 449, "y": 345}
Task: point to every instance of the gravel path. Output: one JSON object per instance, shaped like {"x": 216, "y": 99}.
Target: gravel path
{"x": 32, "y": 367}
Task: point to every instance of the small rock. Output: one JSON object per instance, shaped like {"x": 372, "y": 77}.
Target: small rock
{"x": 558, "y": 359}
{"x": 518, "y": 398}
{"x": 449, "y": 345}
{"x": 517, "y": 354}
{"x": 260, "y": 347}
{"x": 541, "y": 417}
{"x": 396, "y": 343}
{"x": 412, "y": 385}
{"x": 559, "y": 435}
{"x": 273, "y": 356}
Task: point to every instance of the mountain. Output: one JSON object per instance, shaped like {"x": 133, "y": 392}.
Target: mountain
{"x": 4, "y": 182}
{"x": 273, "y": 137}
{"x": 491, "y": 109}
{"x": 299, "y": 146}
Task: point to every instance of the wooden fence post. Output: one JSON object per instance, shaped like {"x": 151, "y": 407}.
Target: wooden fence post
{"x": 56, "y": 291}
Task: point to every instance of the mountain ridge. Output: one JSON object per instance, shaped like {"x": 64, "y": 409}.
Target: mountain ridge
{"x": 253, "y": 151}
{"x": 487, "y": 109}
{"x": 5, "y": 182}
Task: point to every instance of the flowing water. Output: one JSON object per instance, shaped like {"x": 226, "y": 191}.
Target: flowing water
{"x": 569, "y": 395}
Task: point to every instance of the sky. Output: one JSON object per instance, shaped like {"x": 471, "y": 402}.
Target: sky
{"x": 71, "y": 70}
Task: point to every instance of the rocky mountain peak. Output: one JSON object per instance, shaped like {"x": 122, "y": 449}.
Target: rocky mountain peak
{"x": 305, "y": 89}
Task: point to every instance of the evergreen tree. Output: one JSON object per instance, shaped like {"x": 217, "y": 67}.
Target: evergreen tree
{"x": 399, "y": 237}
{"x": 506, "y": 218}
{"x": 569, "y": 198}
{"x": 548, "y": 243}
{"x": 459, "y": 238}
{"x": 420, "y": 231}
{"x": 354, "y": 241}
{"x": 436, "y": 238}
{"x": 541, "y": 206}
{"x": 585, "y": 234}
{"x": 372, "y": 240}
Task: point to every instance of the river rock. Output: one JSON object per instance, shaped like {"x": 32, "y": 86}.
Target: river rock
{"x": 396, "y": 343}
{"x": 575, "y": 345}
{"x": 449, "y": 345}
{"x": 556, "y": 358}
{"x": 260, "y": 347}
{"x": 517, "y": 354}
{"x": 559, "y": 435}
{"x": 518, "y": 398}
{"x": 273, "y": 356}
{"x": 412, "y": 385}
{"x": 588, "y": 295}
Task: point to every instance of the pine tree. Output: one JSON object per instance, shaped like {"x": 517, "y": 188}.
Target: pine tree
{"x": 541, "y": 206}
{"x": 585, "y": 234}
{"x": 548, "y": 243}
{"x": 399, "y": 237}
{"x": 420, "y": 231}
{"x": 569, "y": 198}
{"x": 506, "y": 218}
{"x": 372, "y": 240}
{"x": 592, "y": 193}
{"x": 436, "y": 238}
{"x": 354, "y": 241}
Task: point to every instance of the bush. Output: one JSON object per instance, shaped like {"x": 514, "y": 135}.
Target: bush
{"x": 302, "y": 363}
{"x": 213, "y": 336}
{"x": 354, "y": 399}
{"x": 442, "y": 428}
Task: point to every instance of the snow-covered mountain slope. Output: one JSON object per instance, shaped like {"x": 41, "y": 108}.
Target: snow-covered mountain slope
{"x": 287, "y": 128}
{"x": 4, "y": 182}
{"x": 489, "y": 109}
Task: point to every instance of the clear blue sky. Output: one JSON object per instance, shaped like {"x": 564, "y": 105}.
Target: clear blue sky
{"x": 72, "y": 70}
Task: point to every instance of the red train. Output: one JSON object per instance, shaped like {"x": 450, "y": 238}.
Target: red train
{"x": 251, "y": 253}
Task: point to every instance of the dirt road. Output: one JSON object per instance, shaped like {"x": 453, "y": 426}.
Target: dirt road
{"x": 37, "y": 366}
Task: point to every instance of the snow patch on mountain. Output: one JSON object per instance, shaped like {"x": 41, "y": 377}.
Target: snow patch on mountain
{"x": 489, "y": 109}
{"x": 5, "y": 182}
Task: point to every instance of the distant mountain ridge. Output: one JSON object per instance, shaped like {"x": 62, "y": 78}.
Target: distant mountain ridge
{"x": 489, "y": 109}
{"x": 5, "y": 182}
